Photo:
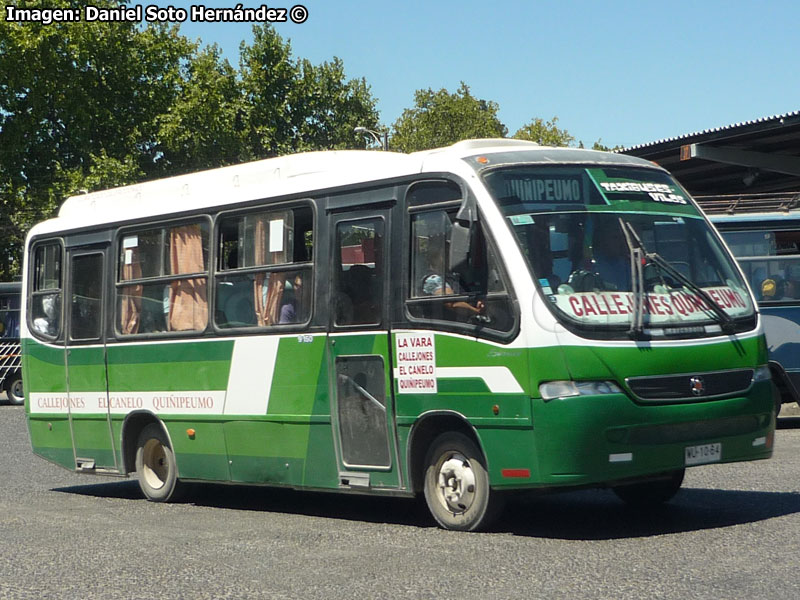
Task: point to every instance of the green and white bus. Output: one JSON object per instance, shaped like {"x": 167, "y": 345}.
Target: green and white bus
{"x": 461, "y": 323}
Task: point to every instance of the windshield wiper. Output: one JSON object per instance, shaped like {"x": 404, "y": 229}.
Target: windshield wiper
{"x": 639, "y": 258}
{"x": 636, "y": 253}
{"x": 725, "y": 320}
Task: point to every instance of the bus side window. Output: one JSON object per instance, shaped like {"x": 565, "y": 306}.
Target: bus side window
{"x": 46, "y": 292}
{"x": 163, "y": 279}
{"x": 264, "y": 268}
{"x": 770, "y": 261}
{"x": 359, "y": 277}
{"x": 475, "y": 294}
{"x": 85, "y": 313}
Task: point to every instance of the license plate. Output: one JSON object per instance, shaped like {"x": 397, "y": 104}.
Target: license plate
{"x": 704, "y": 453}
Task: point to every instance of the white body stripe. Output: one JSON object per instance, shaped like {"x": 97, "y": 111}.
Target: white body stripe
{"x": 250, "y": 379}
{"x": 499, "y": 380}
{"x": 93, "y": 403}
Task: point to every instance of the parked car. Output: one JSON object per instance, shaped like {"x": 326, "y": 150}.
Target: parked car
{"x": 10, "y": 364}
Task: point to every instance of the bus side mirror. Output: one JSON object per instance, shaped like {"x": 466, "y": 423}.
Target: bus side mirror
{"x": 461, "y": 235}
{"x": 460, "y": 243}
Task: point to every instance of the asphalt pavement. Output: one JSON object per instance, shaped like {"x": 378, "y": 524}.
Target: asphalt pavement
{"x": 732, "y": 532}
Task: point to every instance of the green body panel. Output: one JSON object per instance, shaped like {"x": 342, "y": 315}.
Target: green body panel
{"x": 43, "y": 367}
{"x": 575, "y": 436}
{"x": 592, "y": 363}
{"x": 571, "y": 439}
{"x": 562, "y": 442}
{"x": 173, "y": 366}
{"x": 51, "y": 438}
{"x": 202, "y": 456}
{"x": 470, "y": 397}
{"x": 370, "y": 344}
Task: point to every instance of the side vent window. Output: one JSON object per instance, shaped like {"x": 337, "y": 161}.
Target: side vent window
{"x": 46, "y": 299}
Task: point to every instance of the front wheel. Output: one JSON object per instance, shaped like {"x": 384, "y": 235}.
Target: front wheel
{"x": 156, "y": 468}
{"x": 649, "y": 493}
{"x": 457, "y": 485}
{"x": 14, "y": 391}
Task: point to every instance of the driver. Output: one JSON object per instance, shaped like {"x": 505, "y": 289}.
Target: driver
{"x": 434, "y": 283}
{"x": 611, "y": 258}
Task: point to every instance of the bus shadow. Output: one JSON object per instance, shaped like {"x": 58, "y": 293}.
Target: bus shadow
{"x": 789, "y": 423}
{"x": 374, "y": 509}
{"x": 599, "y": 515}
{"x": 581, "y": 515}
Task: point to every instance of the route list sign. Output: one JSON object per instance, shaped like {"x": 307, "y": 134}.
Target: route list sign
{"x": 415, "y": 357}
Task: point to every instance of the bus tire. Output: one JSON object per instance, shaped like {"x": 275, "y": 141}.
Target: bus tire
{"x": 456, "y": 484}
{"x": 650, "y": 493}
{"x": 156, "y": 468}
{"x": 14, "y": 390}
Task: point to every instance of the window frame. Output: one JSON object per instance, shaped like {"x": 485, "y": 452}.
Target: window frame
{"x": 33, "y": 293}
{"x": 409, "y": 299}
{"x": 71, "y": 283}
{"x": 164, "y": 225}
{"x": 335, "y": 256}
{"x": 309, "y": 266}
{"x": 774, "y": 227}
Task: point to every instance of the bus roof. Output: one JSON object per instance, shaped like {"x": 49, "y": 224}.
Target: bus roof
{"x": 292, "y": 174}
{"x": 764, "y": 217}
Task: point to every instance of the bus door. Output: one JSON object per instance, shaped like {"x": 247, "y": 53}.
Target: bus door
{"x": 87, "y": 384}
{"x": 360, "y": 362}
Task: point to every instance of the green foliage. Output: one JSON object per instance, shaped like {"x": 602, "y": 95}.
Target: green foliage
{"x": 73, "y": 95}
{"x": 598, "y": 145}
{"x": 203, "y": 127}
{"x": 545, "y": 133}
{"x": 328, "y": 108}
{"x": 441, "y": 118}
{"x": 293, "y": 106}
{"x": 86, "y": 106}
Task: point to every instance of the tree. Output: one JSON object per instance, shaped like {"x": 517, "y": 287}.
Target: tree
{"x": 328, "y": 108}
{"x": 76, "y": 99}
{"x": 545, "y": 133}
{"x": 267, "y": 71}
{"x": 441, "y": 118}
{"x": 293, "y": 105}
{"x": 598, "y": 145}
{"x": 204, "y": 126}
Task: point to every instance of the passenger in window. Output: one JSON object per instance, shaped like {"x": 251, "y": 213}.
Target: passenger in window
{"x": 437, "y": 283}
{"x": 48, "y": 323}
{"x": 291, "y": 303}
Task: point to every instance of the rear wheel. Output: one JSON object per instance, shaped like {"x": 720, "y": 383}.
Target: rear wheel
{"x": 156, "y": 468}
{"x": 14, "y": 391}
{"x": 457, "y": 485}
{"x": 649, "y": 493}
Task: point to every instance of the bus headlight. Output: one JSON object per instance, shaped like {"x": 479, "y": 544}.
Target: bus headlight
{"x": 565, "y": 389}
{"x": 762, "y": 374}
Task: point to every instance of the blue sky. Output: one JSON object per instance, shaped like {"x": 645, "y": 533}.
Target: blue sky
{"x": 623, "y": 71}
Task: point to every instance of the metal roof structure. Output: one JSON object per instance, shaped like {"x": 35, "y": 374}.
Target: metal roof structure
{"x": 736, "y": 163}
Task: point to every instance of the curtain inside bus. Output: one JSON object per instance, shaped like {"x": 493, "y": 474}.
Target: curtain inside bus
{"x": 188, "y": 301}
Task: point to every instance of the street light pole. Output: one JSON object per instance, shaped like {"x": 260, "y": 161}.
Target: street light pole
{"x": 383, "y": 141}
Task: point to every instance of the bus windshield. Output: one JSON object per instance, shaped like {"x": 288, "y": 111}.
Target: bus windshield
{"x": 622, "y": 249}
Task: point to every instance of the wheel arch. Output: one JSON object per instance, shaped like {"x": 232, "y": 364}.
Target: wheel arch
{"x": 425, "y": 430}
{"x": 783, "y": 383}
{"x": 132, "y": 426}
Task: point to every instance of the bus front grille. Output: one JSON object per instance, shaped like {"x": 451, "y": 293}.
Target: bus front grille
{"x": 691, "y": 387}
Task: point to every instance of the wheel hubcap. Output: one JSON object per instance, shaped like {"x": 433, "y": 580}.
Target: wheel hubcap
{"x": 456, "y": 484}
{"x": 154, "y": 460}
